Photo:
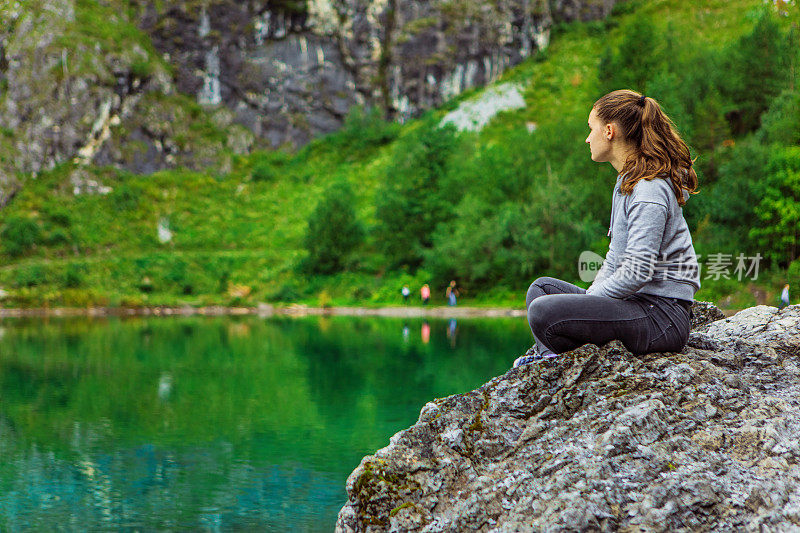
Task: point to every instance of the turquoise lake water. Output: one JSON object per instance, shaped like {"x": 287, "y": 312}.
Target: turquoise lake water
{"x": 217, "y": 424}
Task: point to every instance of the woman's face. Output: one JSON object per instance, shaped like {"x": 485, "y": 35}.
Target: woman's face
{"x": 599, "y": 138}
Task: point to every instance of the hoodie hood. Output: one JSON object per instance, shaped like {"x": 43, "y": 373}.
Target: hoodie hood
{"x": 620, "y": 177}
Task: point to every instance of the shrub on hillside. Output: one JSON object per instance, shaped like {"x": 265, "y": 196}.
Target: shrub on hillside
{"x": 125, "y": 198}
{"x": 74, "y": 276}
{"x": 413, "y": 198}
{"x": 757, "y": 69}
{"x": 186, "y": 278}
{"x": 30, "y": 276}
{"x": 57, "y": 214}
{"x": 728, "y": 198}
{"x": 781, "y": 123}
{"x": 730, "y": 183}
{"x": 362, "y": 131}
{"x": 19, "y": 234}
{"x": 57, "y": 236}
{"x": 512, "y": 243}
{"x": 793, "y": 275}
{"x": 270, "y": 166}
{"x": 778, "y": 209}
{"x": 634, "y": 62}
{"x": 288, "y": 292}
{"x": 333, "y": 231}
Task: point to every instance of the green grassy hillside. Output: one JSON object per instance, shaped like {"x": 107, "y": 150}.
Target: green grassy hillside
{"x": 496, "y": 209}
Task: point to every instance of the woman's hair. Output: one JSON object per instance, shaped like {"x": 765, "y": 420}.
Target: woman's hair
{"x": 659, "y": 149}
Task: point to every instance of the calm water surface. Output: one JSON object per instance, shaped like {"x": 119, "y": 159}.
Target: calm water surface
{"x": 216, "y": 424}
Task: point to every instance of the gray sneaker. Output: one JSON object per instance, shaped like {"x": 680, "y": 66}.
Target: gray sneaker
{"x": 533, "y": 356}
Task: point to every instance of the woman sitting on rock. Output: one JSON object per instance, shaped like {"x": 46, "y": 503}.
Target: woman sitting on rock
{"x": 643, "y": 293}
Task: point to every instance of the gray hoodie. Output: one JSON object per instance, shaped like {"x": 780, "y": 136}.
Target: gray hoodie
{"x": 651, "y": 248}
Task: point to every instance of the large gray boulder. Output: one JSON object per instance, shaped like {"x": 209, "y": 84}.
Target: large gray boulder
{"x": 602, "y": 440}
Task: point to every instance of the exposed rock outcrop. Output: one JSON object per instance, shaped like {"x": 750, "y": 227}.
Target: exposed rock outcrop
{"x": 291, "y": 70}
{"x": 705, "y": 439}
{"x": 119, "y": 82}
{"x": 61, "y": 91}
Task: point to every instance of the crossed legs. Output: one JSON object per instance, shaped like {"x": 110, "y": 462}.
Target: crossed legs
{"x": 563, "y": 317}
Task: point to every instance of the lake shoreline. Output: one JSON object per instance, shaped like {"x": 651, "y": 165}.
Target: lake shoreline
{"x": 266, "y": 310}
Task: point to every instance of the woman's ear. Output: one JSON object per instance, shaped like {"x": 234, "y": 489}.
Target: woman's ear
{"x": 610, "y": 131}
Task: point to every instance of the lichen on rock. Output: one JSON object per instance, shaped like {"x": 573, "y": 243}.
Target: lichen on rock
{"x": 600, "y": 439}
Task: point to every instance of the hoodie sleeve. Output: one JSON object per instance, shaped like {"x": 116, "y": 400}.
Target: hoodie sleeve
{"x": 606, "y": 269}
{"x": 646, "y": 223}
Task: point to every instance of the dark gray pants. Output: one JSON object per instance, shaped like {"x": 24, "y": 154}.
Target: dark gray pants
{"x": 563, "y": 317}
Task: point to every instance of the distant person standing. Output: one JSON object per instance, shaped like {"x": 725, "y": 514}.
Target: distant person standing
{"x": 405, "y": 291}
{"x": 451, "y": 293}
{"x": 425, "y": 294}
{"x": 784, "y": 296}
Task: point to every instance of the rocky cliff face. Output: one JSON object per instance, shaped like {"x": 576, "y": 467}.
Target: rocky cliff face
{"x": 600, "y": 440}
{"x": 291, "y": 70}
{"x": 59, "y": 96}
{"x": 145, "y": 85}
{"x": 81, "y": 85}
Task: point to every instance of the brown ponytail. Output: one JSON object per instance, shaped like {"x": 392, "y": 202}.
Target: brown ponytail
{"x": 659, "y": 149}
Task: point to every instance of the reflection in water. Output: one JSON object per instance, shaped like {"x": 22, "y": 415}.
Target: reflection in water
{"x": 164, "y": 385}
{"x": 149, "y": 487}
{"x": 215, "y": 423}
{"x": 451, "y": 332}
{"x": 425, "y": 332}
